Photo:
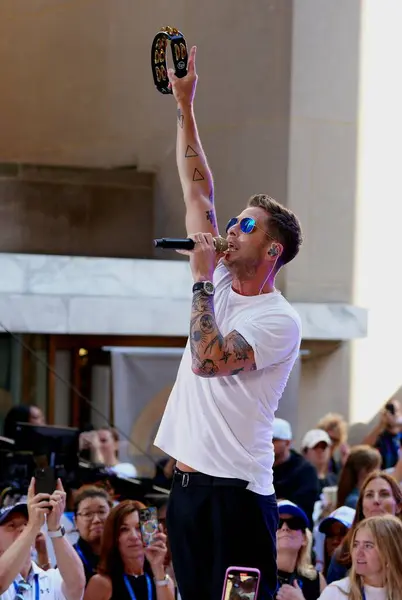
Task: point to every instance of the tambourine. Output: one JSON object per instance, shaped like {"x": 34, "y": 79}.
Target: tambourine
{"x": 178, "y": 46}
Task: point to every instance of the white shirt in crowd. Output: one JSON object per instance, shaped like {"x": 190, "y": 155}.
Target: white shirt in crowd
{"x": 124, "y": 469}
{"x": 49, "y": 585}
{"x": 222, "y": 426}
{"x": 338, "y": 590}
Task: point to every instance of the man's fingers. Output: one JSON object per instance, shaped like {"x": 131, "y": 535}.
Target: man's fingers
{"x": 31, "y": 489}
{"x": 191, "y": 60}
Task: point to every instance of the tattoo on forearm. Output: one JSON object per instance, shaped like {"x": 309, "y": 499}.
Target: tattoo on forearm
{"x": 211, "y": 217}
{"x": 180, "y": 118}
{"x": 190, "y": 152}
{"x": 211, "y": 352}
{"x": 198, "y": 176}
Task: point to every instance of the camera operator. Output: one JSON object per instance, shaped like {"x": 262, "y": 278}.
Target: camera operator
{"x": 20, "y": 577}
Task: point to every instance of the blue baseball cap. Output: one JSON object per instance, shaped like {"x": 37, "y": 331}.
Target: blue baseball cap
{"x": 286, "y": 507}
{"x": 5, "y": 512}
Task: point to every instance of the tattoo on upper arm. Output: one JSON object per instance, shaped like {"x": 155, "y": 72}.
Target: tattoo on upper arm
{"x": 211, "y": 196}
{"x": 198, "y": 176}
{"x": 211, "y": 217}
{"x": 190, "y": 152}
{"x": 240, "y": 347}
{"x": 180, "y": 118}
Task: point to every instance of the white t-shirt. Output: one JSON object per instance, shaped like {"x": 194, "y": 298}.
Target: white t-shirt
{"x": 222, "y": 426}
{"x": 338, "y": 590}
{"x": 124, "y": 469}
{"x": 50, "y": 585}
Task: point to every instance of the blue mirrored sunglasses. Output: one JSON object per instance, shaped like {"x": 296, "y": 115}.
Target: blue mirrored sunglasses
{"x": 247, "y": 224}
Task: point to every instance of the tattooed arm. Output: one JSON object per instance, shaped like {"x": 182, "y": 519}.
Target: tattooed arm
{"x": 195, "y": 175}
{"x": 215, "y": 355}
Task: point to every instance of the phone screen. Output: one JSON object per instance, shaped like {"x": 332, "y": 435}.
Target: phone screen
{"x": 149, "y": 524}
{"x": 241, "y": 585}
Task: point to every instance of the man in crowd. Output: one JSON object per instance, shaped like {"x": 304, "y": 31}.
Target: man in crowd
{"x": 295, "y": 479}
{"x": 20, "y": 577}
{"x": 387, "y": 435}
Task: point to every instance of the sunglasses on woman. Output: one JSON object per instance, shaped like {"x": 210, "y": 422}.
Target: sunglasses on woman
{"x": 247, "y": 225}
{"x": 294, "y": 523}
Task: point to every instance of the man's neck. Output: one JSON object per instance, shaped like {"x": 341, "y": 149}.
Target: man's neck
{"x": 253, "y": 282}
{"x": 282, "y": 459}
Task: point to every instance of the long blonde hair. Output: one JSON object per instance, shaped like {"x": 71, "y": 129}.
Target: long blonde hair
{"x": 387, "y": 535}
{"x": 303, "y": 564}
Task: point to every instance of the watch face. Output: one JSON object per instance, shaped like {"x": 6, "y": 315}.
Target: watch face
{"x": 209, "y": 287}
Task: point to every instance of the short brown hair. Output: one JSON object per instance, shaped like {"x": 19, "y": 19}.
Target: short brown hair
{"x": 283, "y": 225}
{"x": 110, "y": 560}
{"x": 90, "y": 491}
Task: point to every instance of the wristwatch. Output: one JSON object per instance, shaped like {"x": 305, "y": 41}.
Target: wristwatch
{"x": 162, "y": 582}
{"x": 60, "y": 532}
{"x": 204, "y": 286}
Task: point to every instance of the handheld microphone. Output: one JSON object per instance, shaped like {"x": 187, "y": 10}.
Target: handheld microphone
{"x": 220, "y": 244}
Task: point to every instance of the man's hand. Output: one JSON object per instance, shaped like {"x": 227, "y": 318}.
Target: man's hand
{"x": 58, "y": 504}
{"x": 203, "y": 258}
{"x": 184, "y": 88}
{"x": 38, "y": 508}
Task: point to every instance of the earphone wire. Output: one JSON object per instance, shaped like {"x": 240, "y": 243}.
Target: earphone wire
{"x": 268, "y": 276}
{"x": 76, "y": 391}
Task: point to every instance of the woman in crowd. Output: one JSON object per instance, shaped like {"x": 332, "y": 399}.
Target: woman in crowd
{"x": 109, "y": 449}
{"x": 376, "y": 572}
{"x": 380, "y": 495}
{"x": 337, "y": 429}
{"x": 331, "y": 533}
{"x": 126, "y": 570}
{"x": 91, "y": 509}
{"x": 21, "y": 414}
{"x": 297, "y": 577}
{"x": 361, "y": 461}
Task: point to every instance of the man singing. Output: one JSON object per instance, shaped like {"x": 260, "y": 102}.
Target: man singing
{"x": 244, "y": 339}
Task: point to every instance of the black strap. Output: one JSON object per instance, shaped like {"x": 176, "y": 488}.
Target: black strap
{"x": 158, "y": 57}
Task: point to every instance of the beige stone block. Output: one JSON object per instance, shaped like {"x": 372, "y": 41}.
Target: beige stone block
{"x": 325, "y": 59}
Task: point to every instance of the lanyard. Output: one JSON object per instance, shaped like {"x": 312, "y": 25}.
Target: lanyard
{"x": 363, "y": 594}
{"x": 84, "y": 559}
{"x": 25, "y": 586}
{"x": 131, "y": 591}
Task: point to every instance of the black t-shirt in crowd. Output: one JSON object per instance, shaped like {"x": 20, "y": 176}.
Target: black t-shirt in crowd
{"x": 296, "y": 480}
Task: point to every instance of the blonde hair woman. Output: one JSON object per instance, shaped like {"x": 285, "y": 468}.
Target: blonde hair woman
{"x": 297, "y": 578}
{"x": 376, "y": 572}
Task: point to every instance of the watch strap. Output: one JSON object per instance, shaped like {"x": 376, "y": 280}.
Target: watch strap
{"x": 201, "y": 286}
{"x": 60, "y": 532}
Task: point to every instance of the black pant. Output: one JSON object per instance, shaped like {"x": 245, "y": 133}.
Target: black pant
{"x": 214, "y": 524}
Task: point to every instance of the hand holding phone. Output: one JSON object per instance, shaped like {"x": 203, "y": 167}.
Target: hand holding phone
{"x": 149, "y": 524}
{"x": 45, "y": 481}
{"x": 241, "y": 583}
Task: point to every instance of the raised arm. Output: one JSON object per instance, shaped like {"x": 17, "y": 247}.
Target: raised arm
{"x": 195, "y": 175}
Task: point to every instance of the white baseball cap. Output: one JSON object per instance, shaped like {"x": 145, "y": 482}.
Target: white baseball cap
{"x": 282, "y": 430}
{"x": 314, "y": 437}
{"x": 343, "y": 514}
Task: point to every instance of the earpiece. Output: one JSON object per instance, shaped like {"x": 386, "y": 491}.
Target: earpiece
{"x": 273, "y": 251}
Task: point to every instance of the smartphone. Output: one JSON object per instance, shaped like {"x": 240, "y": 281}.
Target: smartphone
{"x": 241, "y": 583}
{"x": 45, "y": 480}
{"x": 149, "y": 524}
